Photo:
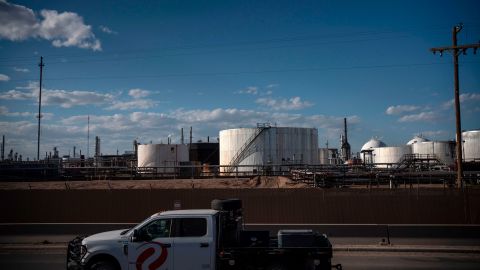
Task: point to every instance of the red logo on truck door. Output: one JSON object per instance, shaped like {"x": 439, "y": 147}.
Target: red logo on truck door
{"x": 149, "y": 252}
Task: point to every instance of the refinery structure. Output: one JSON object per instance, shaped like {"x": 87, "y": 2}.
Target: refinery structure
{"x": 261, "y": 150}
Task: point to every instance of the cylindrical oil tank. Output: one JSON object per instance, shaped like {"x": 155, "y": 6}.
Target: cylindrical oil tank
{"x": 417, "y": 139}
{"x": 366, "y": 153}
{"x": 471, "y": 145}
{"x": 162, "y": 155}
{"x": 387, "y": 156}
{"x": 444, "y": 151}
{"x": 268, "y": 145}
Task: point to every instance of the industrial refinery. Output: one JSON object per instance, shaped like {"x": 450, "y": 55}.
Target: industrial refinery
{"x": 261, "y": 150}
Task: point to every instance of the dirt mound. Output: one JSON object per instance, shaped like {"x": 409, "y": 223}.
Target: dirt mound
{"x": 217, "y": 183}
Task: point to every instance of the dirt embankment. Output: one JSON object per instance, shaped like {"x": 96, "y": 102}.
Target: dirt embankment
{"x": 219, "y": 183}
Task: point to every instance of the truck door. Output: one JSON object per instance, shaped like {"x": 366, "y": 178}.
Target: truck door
{"x": 193, "y": 244}
{"x": 151, "y": 247}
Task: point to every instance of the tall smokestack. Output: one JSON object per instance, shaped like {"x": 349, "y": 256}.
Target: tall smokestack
{"x": 181, "y": 138}
{"x": 3, "y": 147}
{"x": 97, "y": 146}
{"x": 345, "y": 145}
{"x": 190, "y": 145}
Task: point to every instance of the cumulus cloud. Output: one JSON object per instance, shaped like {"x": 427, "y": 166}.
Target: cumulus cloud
{"x": 138, "y": 93}
{"x": 4, "y": 111}
{"x": 65, "y": 29}
{"x": 4, "y": 78}
{"x": 251, "y": 90}
{"x": 294, "y": 103}
{"x": 136, "y": 104}
{"x": 119, "y": 129}
{"x": 24, "y": 70}
{"x": 467, "y": 97}
{"x": 107, "y": 30}
{"x": 420, "y": 117}
{"x": 401, "y": 109}
{"x": 63, "y": 98}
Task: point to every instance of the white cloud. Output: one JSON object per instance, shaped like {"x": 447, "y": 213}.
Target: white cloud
{"x": 251, "y": 90}
{"x": 107, "y": 30}
{"x": 138, "y": 93}
{"x": 68, "y": 99}
{"x": 63, "y": 98}
{"x": 16, "y": 22}
{"x": 294, "y": 103}
{"x": 136, "y": 104}
{"x": 463, "y": 98}
{"x": 65, "y": 29}
{"x": 24, "y": 70}
{"x": 401, "y": 109}
{"x": 6, "y": 112}
{"x": 4, "y": 78}
{"x": 17, "y": 95}
{"x": 420, "y": 117}
{"x": 119, "y": 129}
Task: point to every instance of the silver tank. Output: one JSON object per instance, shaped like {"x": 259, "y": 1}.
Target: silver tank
{"x": 444, "y": 151}
{"x": 471, "y": 145}
{"x": 162, "y": 155}
{"x": 388, "y": 156}
{"x": 273, "y": 145}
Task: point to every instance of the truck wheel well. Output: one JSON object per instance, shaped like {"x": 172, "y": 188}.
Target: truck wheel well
{"x": 103, "y": 257}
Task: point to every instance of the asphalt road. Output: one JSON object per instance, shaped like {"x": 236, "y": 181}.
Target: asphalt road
{"x": 22, "y": 260}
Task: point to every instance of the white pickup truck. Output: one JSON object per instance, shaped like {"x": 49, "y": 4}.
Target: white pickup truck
{"x": 199, "y": 239}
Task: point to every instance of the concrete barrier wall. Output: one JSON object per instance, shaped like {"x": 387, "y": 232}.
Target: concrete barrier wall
{"x": 378, "y": 206}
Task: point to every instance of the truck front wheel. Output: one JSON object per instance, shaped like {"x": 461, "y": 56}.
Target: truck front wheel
{"x": 103, "y": 265}
{"x": 276, "y": 267}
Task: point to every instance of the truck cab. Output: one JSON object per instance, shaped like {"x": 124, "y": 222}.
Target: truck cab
{"x": 198, "y": 239}
{"x": 182, "y": 239}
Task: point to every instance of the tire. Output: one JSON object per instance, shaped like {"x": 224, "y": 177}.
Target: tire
{"x": 226, "y": 205}
{"x": 103, "y": 265}
{"x": 276, "y": 267}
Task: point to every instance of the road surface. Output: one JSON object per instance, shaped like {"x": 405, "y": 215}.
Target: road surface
{"x": 23, "y": 260}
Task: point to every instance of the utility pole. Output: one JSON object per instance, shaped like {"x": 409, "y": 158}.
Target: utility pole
{"x": 41, "y": 65}
{"x": 456, "y": 50}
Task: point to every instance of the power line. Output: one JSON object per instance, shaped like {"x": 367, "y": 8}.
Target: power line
{"x": 232, "y": 44}
{"x": 118, "y": 57}
{"x": 121, "y": 77}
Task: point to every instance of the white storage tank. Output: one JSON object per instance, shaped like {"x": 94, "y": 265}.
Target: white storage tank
{"x": 268, "y": 145}
{"x": 471, "y": 145}
{"x": 162, "y": 155}
{"x": 384, "y": 157}
{"x": 417, "y": 139}
{"x": 367, "y": 150}
{"x": 444, "y": 151}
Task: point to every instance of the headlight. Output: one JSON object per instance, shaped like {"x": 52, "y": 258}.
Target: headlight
{"x": 83, "y": 251}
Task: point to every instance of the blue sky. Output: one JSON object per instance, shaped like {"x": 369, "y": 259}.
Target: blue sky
{"x": 145, "y": 69}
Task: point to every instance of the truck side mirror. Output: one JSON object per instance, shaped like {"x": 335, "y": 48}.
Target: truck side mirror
{"x": 140, "y": 235}
{"x": 136, "y": 237}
